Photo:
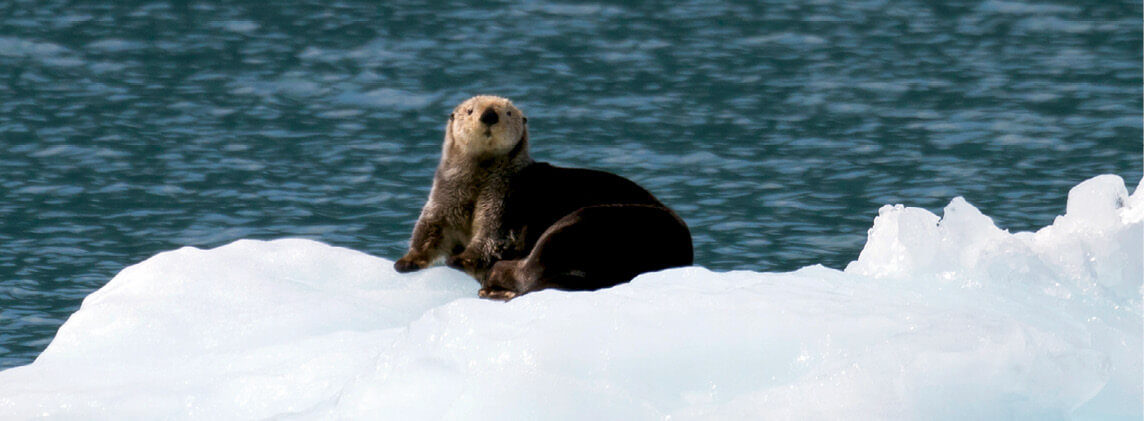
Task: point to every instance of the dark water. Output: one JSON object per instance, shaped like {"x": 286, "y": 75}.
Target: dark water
{"x": 776, "y": 130}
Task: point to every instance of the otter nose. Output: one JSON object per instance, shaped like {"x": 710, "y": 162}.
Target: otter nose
{"x": 489, "y": 116}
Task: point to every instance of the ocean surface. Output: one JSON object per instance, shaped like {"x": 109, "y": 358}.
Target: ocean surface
{"x": 775, "y": 129}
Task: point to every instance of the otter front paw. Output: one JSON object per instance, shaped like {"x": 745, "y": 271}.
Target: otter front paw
{"x": 407, "y": 264}
{"x": 496, "y": 294}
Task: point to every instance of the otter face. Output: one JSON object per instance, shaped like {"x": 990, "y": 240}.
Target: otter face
{"x": 486, "y": 126}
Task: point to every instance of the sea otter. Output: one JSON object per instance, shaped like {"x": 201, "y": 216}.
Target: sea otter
{"x": 517, "y": 225}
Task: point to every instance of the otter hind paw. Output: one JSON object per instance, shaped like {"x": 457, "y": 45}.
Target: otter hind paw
{"x": 496, "y": 294}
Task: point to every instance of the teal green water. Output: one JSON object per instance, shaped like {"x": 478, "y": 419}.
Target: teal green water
{"x": 776, "y": 129}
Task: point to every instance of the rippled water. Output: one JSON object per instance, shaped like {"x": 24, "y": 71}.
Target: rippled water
{"x": 776, "y": 130}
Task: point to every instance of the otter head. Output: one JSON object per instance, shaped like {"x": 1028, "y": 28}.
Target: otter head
{"x": 486, "y": 127}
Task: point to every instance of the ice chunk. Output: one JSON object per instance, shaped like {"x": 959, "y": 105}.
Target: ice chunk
{"x": 1094, "y": 249}
{"x": 947, "y": 317}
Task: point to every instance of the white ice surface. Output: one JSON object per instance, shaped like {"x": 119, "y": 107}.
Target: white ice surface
{"x": 939, "y": 318}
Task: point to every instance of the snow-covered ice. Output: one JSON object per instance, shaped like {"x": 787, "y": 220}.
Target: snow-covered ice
{"x": 939, "y": 318}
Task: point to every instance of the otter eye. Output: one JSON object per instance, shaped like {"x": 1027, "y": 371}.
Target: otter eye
{"x": 470, "y": 111}
{"x": 508, "y": 112}
{"x": 524, "y": 120}
{"x": 450, "y": 116}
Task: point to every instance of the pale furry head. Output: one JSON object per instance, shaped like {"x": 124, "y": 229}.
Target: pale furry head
{"x": 487, "y": 126}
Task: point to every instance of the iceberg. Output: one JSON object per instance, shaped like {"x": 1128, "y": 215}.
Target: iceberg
{"x": 939, "y": 318}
